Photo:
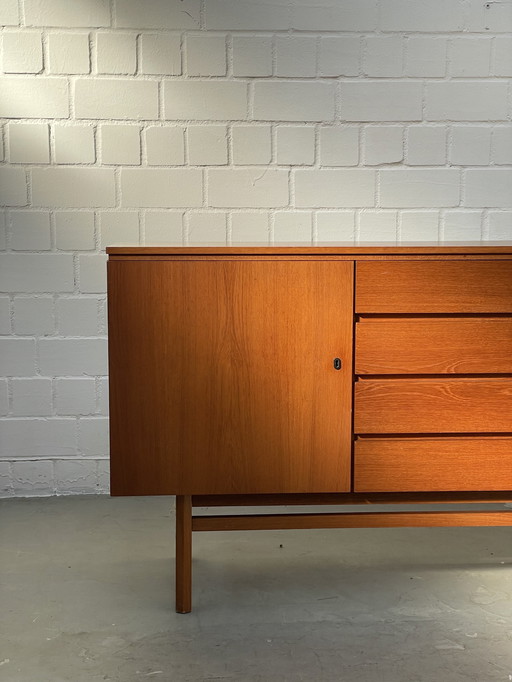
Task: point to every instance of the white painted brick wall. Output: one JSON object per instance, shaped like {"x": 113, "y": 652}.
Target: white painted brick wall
{"x": 185, "y": 121}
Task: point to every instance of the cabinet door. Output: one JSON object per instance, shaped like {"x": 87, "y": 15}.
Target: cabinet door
{"x": 222, "y": 376}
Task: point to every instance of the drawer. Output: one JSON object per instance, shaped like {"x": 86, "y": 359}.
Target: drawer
{"x": 436, "y": 405}
{"x": 432, "y": 464}
{"x": 434, "y": 287}
{"x": 434, "y": 346}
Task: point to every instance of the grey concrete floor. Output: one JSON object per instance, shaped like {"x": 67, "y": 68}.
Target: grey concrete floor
{"x": 87, "y": 588}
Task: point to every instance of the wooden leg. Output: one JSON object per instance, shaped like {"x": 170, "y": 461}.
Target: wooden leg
{"x": 183, "y": 553}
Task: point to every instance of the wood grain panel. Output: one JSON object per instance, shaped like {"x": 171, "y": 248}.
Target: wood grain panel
{"x": 434, "y": 346}
{"x": 432, "y": 464}
{"x": 434, "y": 287}
{"x": 222, "y": 377}
{"x": 436, "y": 405}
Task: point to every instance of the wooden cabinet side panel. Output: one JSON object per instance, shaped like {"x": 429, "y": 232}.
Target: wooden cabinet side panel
{"x": 222, "y": 377}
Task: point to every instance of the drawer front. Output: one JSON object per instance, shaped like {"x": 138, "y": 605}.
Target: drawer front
{"x": 434, "y": 346}
{"x": 432, "y": 464}
{"x": 437, "y": 405}
{"x": 434, "y": 287}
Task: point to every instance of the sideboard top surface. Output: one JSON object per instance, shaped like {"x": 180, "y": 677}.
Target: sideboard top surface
{"x": 320, "y": 249}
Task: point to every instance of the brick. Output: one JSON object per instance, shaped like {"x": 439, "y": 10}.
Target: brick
{"x": 471, "y": 145}
{"x": 502, "y": 56}
{"x": 383, "y": 144}
{"x": 227, "y": 15}
{"x": 339, "y": 146}
{"x": 425, "y": 56}
{"x": 120, "y": 144}
{"x": 13, "y": 187}
{"x": 9, "y": 13}
{"x": 294, "y": 226}
{"x": 494, "y": 17}
{"x": 17, "y": 357}
{"x": 381, "y": 101}
{"x": 39, "y": 437}
{"x": 470, "y": 57}
{"x": 207, "y": 145}
{"x": 426, "y": 17}
{"x": 22, "y": 52}
{"x": 30, "y": 230}
{"x": 76, "y": 477}
{"x": 248, "y": 188}
{"x": 489, "y": 187}
{"x": 93, "y": 436}
{"x": 68, "y": 53}
{"x": 334, "y": 188}
{"x": 165, "y": 146}
{"x": 293, "y": 101}
{"x": 34, "y": 315}
{"x": 334, "y": 15}
{"x": 92, "y": 274}
{"x": 161, "y": 14}
{"x": 32, "y": 478}
{"x": 339, "y": 56}
{"x": 93, "y": 13}
{"x": 252, "y": 56}
{"x": 163, "y": 227}
{"x": 160, "y": 54}
{"x": 426, "y": 145}
{"x": 28, "y": 142}
{"x": 118, "y": 99}
{"x": 295, "y": 145}
{"x": 74, "y": 144}
{"x": 77, "y": 316}
{"x": 103, "y": 395}
{"x": 121, "y": 227}
{"x": 6, "y": 489}
{"x": 75, "y": 396}
{"x": 250, "y": 227}
{"x": 73, "y": 187}
{"x": 419, "y": 188}
{"x": 26, "y": 273}
{"x": 4, "y": 398}
{"x": 335, "y": 226}
{"x": 206, "y": 55}
{"x": 205, "y": 100}
{"x": 377, "y": 226}
{"x": 502, "y": 145}
{"x": 5, "y": 315}
{"x": 207, "y": 227}
{"x": 462, "y": 226}
{"x": 383, "y": 56}
{"x": 296, "y": 56}
{"x": 73, "y": 357}
{"x": 500, "y": 225}
{"x": 74, "y": 230}
{"x": 251, "y": 144}
{"x": 161, "y": 188}
{"x": 31, "y": 397}
{"x": 33, "y": 97}
{"x": 466, "y": 101}
{"x": 419, "y": 226}
{"x": 3, "y": 230}
{"x": 103, "y": 472}
{"x": 116, "y": 53}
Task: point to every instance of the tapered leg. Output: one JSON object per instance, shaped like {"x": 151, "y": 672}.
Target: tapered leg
{"x": 183, "y": 553}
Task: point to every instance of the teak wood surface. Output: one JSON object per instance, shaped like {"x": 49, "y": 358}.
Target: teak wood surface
{"x": 439, "y": 464}
{"x": 433, "y": 405}
{"x": 434, "y": 346}
{"x": 439, "y": 286}
{"x": 222, "y": 377}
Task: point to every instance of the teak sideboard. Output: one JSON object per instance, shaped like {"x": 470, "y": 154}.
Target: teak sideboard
{"x": 326, "y": 374}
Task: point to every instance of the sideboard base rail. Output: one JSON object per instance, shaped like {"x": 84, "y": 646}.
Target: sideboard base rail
{"x": 187, "y": 523}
